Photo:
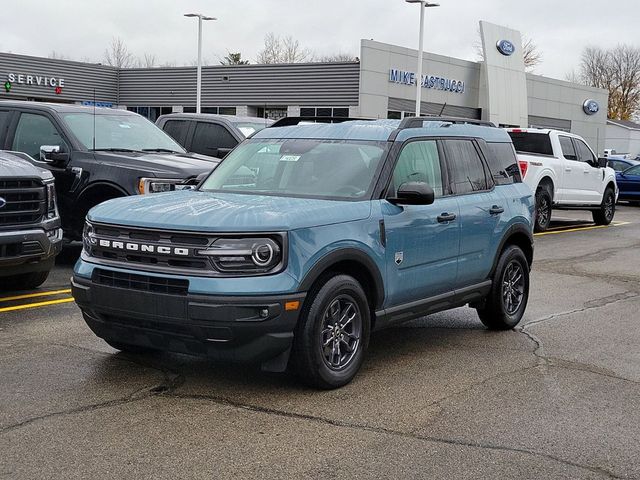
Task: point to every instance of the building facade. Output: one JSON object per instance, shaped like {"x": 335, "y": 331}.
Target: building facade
{"x": 623, "y": 136}
{"x": 382, "y": 84}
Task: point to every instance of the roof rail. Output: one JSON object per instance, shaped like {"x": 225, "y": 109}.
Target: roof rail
{"x": 418, "y": 122}
{"x": 290, "y": 121}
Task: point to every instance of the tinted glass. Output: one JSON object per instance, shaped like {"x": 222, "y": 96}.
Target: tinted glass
{"x": 33, "y": 131}
{"x": 117, "y": 131}
{"x": 4, "y": 123}
{"x": 584, "y": 152}
{"x": 568, "y": 150}
{"x": 633, "y": 170}
{"x": 538, "y": 143}
{"x": 503, "y": 164}
{"x": 209, "y": 137}
{"x": 333, "y": 169}
{"x": 418, "y": 162}
{"x": 617, "y": 165}
{"x": 177, "y": 129}
{"x": 466, "y": 172}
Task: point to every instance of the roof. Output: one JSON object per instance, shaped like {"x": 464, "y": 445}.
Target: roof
{"x": 64, "y": 107}
{"x": 230, "y": 118}
{"x": 624, "y": 124}
{"x": 382, "y": 130}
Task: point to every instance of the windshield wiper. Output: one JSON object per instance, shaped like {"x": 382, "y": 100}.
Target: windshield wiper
{"x": 162, "y": 150}
{"x": 113, "y": 150}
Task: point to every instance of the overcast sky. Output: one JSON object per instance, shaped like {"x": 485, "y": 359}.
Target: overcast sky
{"x": 81, "y": 29}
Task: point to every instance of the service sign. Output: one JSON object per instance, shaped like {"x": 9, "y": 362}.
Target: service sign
{"x": 428, "y": 81}
{"x": 506, "y": 48}
{"x": 35, "y": 80}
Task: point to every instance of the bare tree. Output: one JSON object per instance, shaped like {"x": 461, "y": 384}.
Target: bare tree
{"x": 58, "y": 56}
{"x": 337, "y": 57}
{"x": 233, "y": 59}
{"x": 282, "y": 50}
{"x": 618, "y": 71}
{"x": 118, "y": 55}
{"x": 148, "y": 60}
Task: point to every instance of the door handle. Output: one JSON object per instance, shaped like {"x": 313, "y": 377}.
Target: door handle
{"x": 567, "y": 169}
{"x": 586, "y": 171}
{"x": 446, "y": 217}
{"x": 496, "y": 210}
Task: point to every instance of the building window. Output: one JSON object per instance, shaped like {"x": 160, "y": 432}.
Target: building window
{"x": 274, "y": 113}
{"x": 324, "y": 112}
{"x": 392, "y": 115}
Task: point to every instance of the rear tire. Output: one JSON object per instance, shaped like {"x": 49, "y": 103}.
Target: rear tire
{"x": 25, "y": 281}
{"x": 332, "y": 333}
{"x": 604, "y": 215}
{"x": 544, "y": 202}
{"x": 504, "y": 307}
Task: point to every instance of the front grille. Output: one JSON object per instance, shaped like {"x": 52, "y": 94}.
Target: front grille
{"x": 143, "y": 283}
{"x": 25, "y": 201}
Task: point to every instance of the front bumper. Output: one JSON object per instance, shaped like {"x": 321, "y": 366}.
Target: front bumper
{"x": 28, "y": 250}
{"x": 243, "y": 329}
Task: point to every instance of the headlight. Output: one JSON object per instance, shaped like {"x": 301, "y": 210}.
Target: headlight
{"x": 52, "y": 203}
{"x": 156, "y": 185}
{"x": 88, "y": 238}
{"x": 245, "y": 255}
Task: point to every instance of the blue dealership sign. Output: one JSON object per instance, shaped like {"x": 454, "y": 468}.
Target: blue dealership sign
{"x": 590, "y": 107}
{"x": 505, "y": 47}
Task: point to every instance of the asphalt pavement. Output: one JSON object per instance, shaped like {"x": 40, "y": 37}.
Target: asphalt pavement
{"x": 559, "y": 397}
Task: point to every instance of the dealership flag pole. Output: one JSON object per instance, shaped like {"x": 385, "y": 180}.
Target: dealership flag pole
{"x": 201, "y": 17}
{"x": 423, "y": 5}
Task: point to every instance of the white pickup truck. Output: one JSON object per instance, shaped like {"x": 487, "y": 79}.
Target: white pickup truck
{"x": 565, "y": 174}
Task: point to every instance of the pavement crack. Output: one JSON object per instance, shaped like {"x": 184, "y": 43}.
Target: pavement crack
{"x": 381, "y": 430}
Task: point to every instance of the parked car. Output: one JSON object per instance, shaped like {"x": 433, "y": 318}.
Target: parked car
{"x": 564, "y": 174}
{"x": 306, "y": 238}
{"x": 30, "y": 233}
{"x": 209, "y": 134}
{"x": 629, "y": 184}
{"x": 621, "y": 164}
{"x": 96, "y": 154}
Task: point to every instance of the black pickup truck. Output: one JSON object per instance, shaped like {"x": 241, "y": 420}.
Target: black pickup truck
{"x": 96, "y": 154}
{"x": 30, "y": 233}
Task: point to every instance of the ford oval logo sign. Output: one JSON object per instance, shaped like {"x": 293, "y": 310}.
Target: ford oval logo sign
{"x": 3, "y": 202}
{"x": 505, "y": 47}
{"x": 591, "y": 107}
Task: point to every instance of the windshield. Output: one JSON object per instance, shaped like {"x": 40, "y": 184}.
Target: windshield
{"x": 249, "y": 128}
{"x": 332, "y": 169}
{"x": 119, "y": 132}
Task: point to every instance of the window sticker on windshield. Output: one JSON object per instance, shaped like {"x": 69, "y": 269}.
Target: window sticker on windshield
{"x": 124, "y": 125}
{"x": 290, "y": 158}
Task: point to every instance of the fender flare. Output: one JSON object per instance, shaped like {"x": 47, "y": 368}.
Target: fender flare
{"x": 102, "y": 183}
{"x": 516, "y": 228}
{"x": 346, "y": 254}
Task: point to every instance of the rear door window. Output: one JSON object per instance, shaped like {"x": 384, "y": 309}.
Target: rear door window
{"x": 466, "y": 171}
{"x": 568, "y": 150}
{"x": 535, "y": 143}
{"x": 503, "y": 163}
{"x": 209, "y": 137}
{"x": 34, "y": 131}
{"x": 178, "y": 130}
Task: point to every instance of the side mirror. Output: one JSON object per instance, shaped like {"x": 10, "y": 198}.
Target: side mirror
{"x": 414, "y": 193}
{"x": 52, "y": 154}
{"x": 602, "y": 162}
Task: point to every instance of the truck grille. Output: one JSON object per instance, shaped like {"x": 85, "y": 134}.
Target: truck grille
{"x": 143, "y": 283}
{"x": 25, "y": 201}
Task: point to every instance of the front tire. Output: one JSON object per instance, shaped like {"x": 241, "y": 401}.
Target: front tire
{"x": 332, "y": 334}
{"x": 504, "y": 307}
{"x": 604, "y": 215}
{"x": 544, "y": 203}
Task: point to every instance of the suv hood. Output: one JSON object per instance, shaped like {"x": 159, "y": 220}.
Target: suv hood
{"x": 178, "y": 165}
{"x": 225, "y": 212}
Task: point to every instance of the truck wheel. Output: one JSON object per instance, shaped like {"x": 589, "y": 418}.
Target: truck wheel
{"x": 504, "y": 307}
{"x": 604, "y": 215}
{"x": 25, "y": 281}
{"x": 543, "y": 208}
{"x": 332, "y": 334}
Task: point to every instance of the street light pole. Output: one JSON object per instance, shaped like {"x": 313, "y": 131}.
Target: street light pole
{"x": 423, "y": 5}
{"x": 199, "y": 69}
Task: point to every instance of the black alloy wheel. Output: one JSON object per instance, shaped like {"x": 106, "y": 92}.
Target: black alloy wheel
{"x": 341, "y": 331}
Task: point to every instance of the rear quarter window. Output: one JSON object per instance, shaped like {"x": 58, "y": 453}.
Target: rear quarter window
{"x": 536, "y": 143}
{"x": 503, "y": 163}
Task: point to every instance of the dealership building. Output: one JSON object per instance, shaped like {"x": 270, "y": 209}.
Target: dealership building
{"x": 381, "y": 84}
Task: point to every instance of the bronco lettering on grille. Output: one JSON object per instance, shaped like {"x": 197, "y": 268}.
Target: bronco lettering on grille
{"x": 141, "y": 247}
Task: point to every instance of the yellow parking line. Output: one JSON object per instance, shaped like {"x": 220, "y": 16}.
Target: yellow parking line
{"x": 32, "y": 295}
{"x": 37, "y": 304}
{"x": 579, "y": 229}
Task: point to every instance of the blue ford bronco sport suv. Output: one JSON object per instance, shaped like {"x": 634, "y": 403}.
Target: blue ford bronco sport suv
{"x": 307, "y": 237}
